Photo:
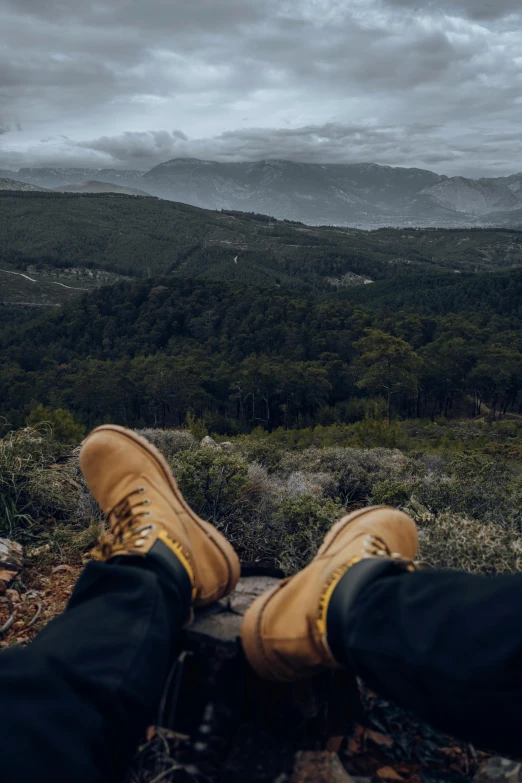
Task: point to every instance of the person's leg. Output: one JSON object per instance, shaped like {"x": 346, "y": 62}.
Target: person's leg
{"x": 75, "y": 701}
{"x": 445, "y": 644}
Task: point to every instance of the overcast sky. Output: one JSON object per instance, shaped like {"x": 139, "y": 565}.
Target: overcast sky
{"x": 132, "y": 83}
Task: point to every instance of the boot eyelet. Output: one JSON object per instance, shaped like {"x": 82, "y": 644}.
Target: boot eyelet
{"x": 147, "y": 502}
{"x": 142, "y": 490}
{"x": 148, "y": 514}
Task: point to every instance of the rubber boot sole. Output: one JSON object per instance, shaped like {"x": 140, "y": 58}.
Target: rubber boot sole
{"x": 226, "y": 549}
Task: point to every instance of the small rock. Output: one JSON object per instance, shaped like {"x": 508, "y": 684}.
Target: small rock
{"x": 388, "y": 773}
{"x": 248, "y": 589}
{"x": 11, "y": 555}
{"x": 13, "y": 596}
{"x": 221, "y": 629}
{"x": 7, "y": 576}
{"x": 38, "y": 550}
{"x": 320, "y": 767}
{"x": 60, "y": 568}
{"x": 208, "y": 443}
{"x": 226, "y": 445}
{"x": 499, "y": 770}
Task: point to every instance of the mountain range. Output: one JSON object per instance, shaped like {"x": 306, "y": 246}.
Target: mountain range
{"x": 25, "y": 187}
{"x": 362, "y": 195}
{"x": 94, "y": 186}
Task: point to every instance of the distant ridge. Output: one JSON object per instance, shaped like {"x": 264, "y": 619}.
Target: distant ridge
{"x": 11, "y": 184}
{"x": 93, "y": 186}
{"x": 362, "y": 195}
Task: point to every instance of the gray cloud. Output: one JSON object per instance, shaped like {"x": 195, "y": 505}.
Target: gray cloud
{"x": 421, "y": 145}
{"x": 474, "y": 9}
{"x": 141, "y": 148}
{"x": 315, "y": 78}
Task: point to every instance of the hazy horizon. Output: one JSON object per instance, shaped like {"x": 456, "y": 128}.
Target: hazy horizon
{"x": 122, "y": 167}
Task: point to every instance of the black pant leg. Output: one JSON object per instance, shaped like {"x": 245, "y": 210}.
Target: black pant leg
{"x": 75, "y": 700}
{"x": 445, "y": 644}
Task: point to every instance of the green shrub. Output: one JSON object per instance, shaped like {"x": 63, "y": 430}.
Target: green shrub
{"x": 390, "y": 493}
{"x": 376, "y": 432}
{"x": 63, "y": 427}
{"x": 212, "y": 483}
{"x": 277, "y": 505}
{"x": 261, "y": 450}
{"x": 197, "y": 427}
{"x": 303, "y": 522}
{"x": 354, "y": 471}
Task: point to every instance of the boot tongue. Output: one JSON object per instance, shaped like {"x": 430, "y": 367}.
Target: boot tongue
{"x": 122, "y": 489}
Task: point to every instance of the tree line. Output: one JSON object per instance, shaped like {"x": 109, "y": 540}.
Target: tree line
{"x": 147, "y": 353}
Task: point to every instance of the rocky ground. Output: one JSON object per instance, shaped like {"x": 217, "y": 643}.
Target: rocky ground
{"x": 225, "y": 725}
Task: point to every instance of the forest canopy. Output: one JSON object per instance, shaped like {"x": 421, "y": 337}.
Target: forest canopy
{"x": 149, "y": 352}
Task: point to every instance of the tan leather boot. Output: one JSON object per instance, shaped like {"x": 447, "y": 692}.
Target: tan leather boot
{"x": 284, "y": 631}
{"x": 147, "y": 514}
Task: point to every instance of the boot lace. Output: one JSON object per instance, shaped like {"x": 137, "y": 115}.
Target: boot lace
{"x": 126, "y": 529}
{"x": 374, "y": 546}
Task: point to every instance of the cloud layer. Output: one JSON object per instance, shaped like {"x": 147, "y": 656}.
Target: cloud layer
{"x": 473, "y": 9}
{"x": 437, "y": 85}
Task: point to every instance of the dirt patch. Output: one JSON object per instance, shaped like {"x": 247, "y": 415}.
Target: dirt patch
{"x": 34, "y": 598}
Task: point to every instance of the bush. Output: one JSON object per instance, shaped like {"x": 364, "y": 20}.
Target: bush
{"x": 275, "y": 505}
{"x": 354, "y": 471}
{"x": 376, "y": 432}
{"x": 35, "y": 490}
{"x": 451, "y": 541}
{"x": 212, "y": 483}
{"x": 261, "y": 450}
{"x": 390, "y": 493}
{"x": 63, "y": 427}
{"x": 303, "y": 521}
{"x": 170, "y": 442}
{"x": 471, "y": 484}
{"x": 197, "y": 427}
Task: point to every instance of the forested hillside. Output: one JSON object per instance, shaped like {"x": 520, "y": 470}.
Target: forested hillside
{"x": 481, "y": 294}
{"x": 139, "y": 236}
{"x": 253, "y": 322}
{"x": 150, "y": 352}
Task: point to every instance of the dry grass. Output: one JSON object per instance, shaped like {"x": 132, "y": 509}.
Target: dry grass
{"x": 43, "y": 498}
{"x": 452, "y": 541}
